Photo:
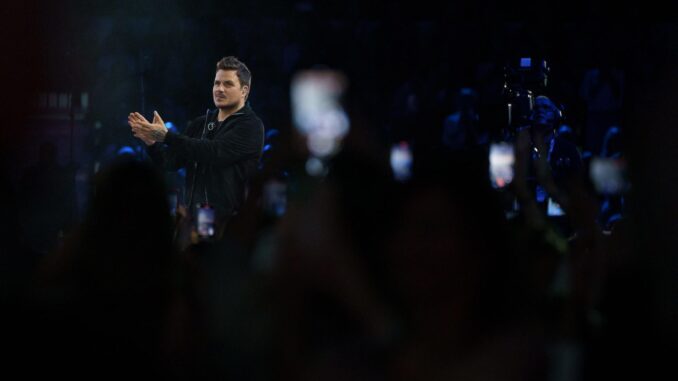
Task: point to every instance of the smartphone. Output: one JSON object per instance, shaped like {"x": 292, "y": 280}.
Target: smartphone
{"x": 609, "y": 175}
{"x": 501, "y": 159}
{"x": 401, "y": 161}
{"x": 205, "y": 221}
{"x": 553, "y": 209}
{"x": 317, "y": 111}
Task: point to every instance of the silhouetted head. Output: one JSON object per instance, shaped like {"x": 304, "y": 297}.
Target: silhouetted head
{"x": 546, "y": 114}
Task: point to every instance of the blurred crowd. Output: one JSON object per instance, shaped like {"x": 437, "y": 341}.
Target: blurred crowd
{"x": 397, "y": 257}
{"x": 349, "y": 273}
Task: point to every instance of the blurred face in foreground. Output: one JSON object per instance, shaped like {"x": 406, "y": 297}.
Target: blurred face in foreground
{"x": 545, "y": 113}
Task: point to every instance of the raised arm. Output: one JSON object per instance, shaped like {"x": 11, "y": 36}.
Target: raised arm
{"x": 152, "y": 134}
{"x": 243, "y": 141}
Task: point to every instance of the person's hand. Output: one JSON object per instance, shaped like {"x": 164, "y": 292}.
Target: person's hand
{"x": 135, "y": 121}
{"x": 146, "y": 140}
{"x": 149, "y": 133}
{"x": 185, "y": 234}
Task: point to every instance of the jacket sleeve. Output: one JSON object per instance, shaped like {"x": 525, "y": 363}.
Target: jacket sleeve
{"x": 167, "y": 159}
{"x": 243, "y": 141}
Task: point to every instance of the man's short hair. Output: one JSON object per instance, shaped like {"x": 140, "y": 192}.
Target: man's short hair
{"x": 232, "y": 63}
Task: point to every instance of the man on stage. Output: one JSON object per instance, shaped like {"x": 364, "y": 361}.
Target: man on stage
{"x": 219, "y": 150}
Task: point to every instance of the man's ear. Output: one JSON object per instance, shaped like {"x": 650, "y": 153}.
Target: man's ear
{"x": 245, "y": 90}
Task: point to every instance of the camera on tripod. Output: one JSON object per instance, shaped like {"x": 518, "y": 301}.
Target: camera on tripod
{"x": 523, "y": 79}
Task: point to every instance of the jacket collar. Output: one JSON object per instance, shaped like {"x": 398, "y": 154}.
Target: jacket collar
{"x": 246, "y": 109}
{"x": 242, "y": 111}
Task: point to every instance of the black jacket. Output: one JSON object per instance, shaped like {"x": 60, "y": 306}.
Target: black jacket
{"x": 219, "y": 162}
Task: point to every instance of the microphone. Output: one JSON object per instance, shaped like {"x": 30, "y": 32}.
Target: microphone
{"x": 212, "y": 124}
{"x": 209, "y": 122}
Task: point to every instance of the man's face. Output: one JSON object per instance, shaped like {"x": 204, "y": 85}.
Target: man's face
{"x": 227, "y": 91}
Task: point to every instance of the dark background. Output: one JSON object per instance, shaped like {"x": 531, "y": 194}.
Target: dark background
{"x": 160, "y": 55}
